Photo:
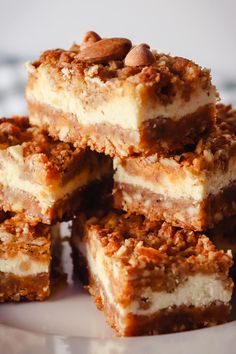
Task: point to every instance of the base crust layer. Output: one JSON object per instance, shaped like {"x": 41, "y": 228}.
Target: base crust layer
{"x": 160, "y": 135}
{"x": 30, "y": 287}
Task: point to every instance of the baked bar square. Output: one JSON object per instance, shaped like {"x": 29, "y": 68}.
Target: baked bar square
{"x": 44, "y": 178}
{"x": 150, "y": 277}
{"x": 25, "y": 259}
{"x": 118, "y": 107}
{"x": 195, "y": 189}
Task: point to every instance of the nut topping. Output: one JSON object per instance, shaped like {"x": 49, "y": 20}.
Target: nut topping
{"x": 140, "y": 56}
{"x": 89, "y": 38}
{"x": 105, "y": 50}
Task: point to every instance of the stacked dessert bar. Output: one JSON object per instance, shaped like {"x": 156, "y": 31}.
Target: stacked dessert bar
{"x": 147, "y": 261}
{"x": 42, "y": 181}
{"x": 149, "y": 258}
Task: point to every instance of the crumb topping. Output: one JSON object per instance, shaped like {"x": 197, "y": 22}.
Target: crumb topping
{"x": 17, "y": 233}
{"x": 14, "y": 131}
{"x": 167, "y": 75}
{"x": 36, "y": 146}
{"x": 139, "y": 243}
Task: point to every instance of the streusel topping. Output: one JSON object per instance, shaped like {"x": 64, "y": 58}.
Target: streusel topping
{"x": 138, "y": 243}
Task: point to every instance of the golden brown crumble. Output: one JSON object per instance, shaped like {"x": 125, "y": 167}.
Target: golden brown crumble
{"x": 167, "y": 75}
{"x": 56, "y": 156}
{"x": 139, "y": 243}
{"x": 14, "y": 131}
{"x": 27, "y": 236}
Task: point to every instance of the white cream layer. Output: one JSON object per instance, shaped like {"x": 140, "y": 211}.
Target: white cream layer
{"x": 124, "y": 109}
{"x": 45, "y": 194}
{"x": 17, "y": 265}
{"x": 184, "y": 185}
{"x": 199, "y": 290}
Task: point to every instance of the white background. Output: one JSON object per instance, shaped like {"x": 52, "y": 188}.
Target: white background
{"x": 203, "y": 30}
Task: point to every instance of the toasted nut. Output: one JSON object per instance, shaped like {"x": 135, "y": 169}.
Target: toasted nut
{"x": 105, "y": 50}
{"x": 89, "y": 38}
{"x": 140, "y": 56}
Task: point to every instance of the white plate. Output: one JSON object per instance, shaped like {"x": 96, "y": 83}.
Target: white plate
{"x": 70, "y": 323}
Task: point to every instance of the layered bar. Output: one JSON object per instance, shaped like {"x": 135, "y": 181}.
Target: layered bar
{"x": 25, "y": 258}
{"x": 120, "y": 100}
{"x": 150, "y": 277}
{"x": 195, "y": 189}
{"x": 46, "y": 179}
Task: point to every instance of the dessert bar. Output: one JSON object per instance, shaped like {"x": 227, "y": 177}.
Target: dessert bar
{"x": 120, "y": 99}
{"x": 25, "y": 258}
{"x": 195, "y": 189}
{"x": 44, "y": 178}
{"x": 150, "y": 277}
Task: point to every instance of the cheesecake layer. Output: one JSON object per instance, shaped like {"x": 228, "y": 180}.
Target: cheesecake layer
{"x": 25, "y": 259}
{"x": 17, "y": 266}
{"x": 40, "y": 174}
{"x": 195, "y": 189}
{"x": 147, "y": 102}
{"x": 142, "y": 269}
{"x": 122, "y": 104}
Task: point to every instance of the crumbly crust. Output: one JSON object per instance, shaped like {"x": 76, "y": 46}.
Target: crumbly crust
{"x": 17, "y": 288}
{"x": 139, "y": 244}
{"x": 167, "y": 75}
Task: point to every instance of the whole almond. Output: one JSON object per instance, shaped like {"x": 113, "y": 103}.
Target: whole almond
{"x": 89, "y": 38}
{"x": 140, "y": 56}
{"x": 105, "y": 50}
